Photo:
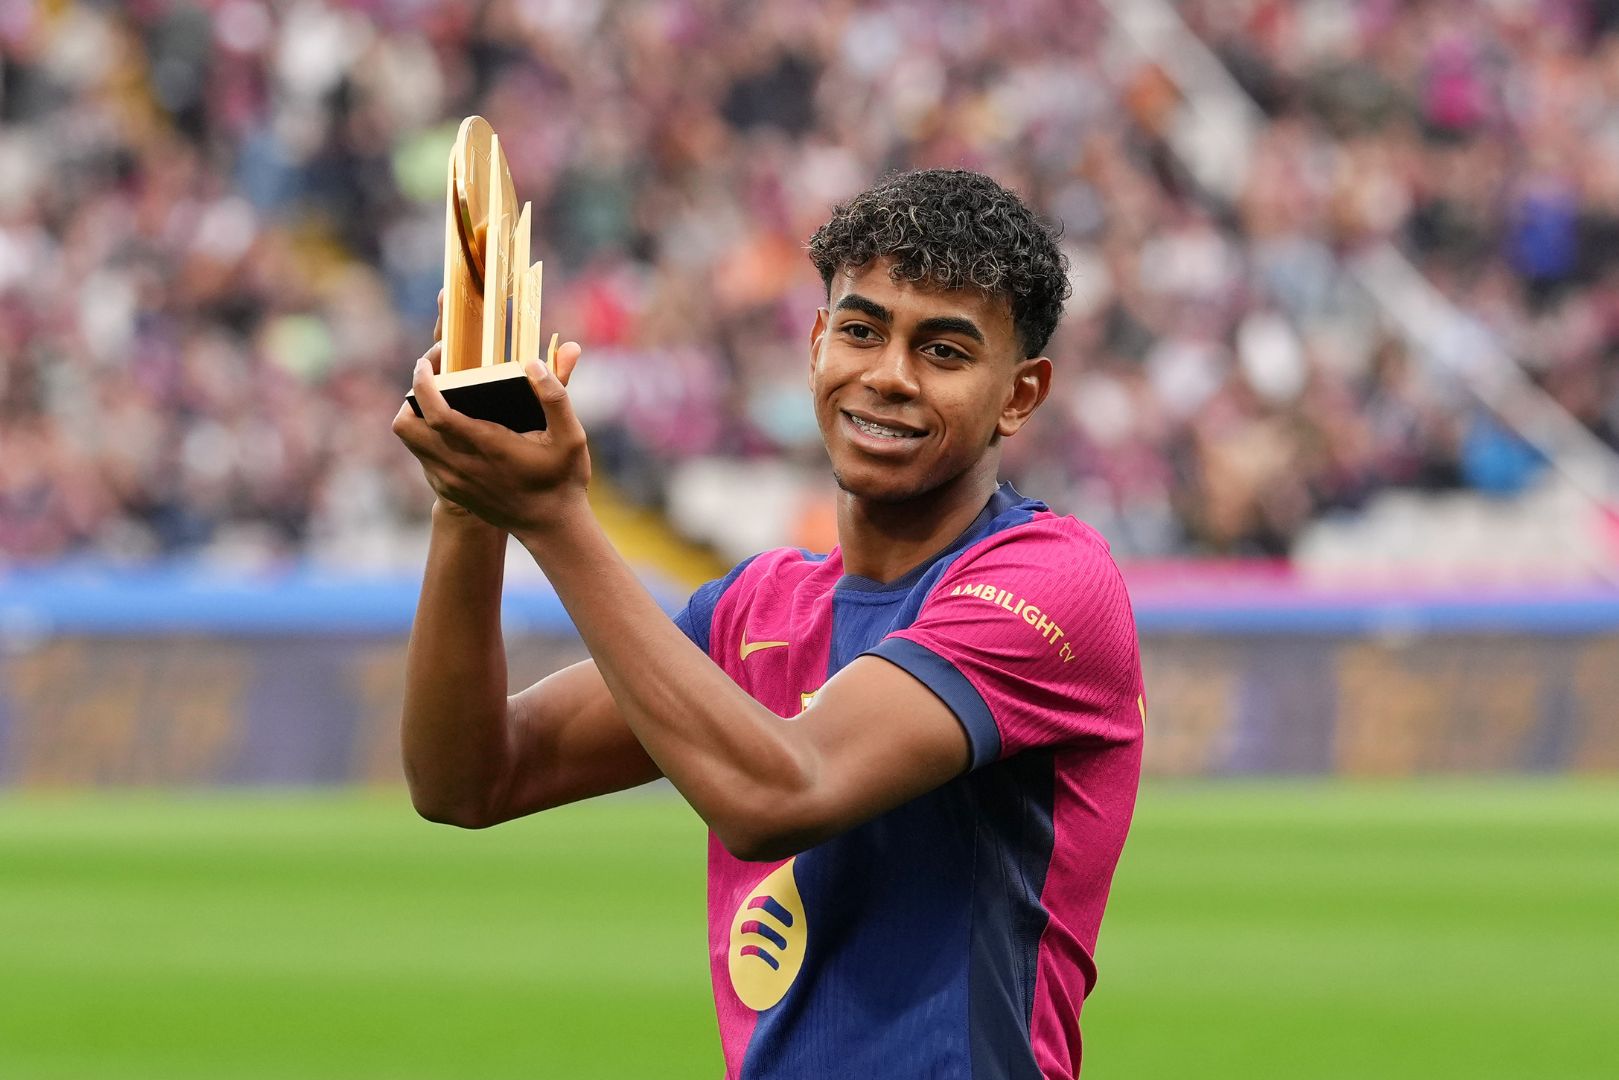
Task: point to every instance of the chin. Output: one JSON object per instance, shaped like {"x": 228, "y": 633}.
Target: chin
{"x": 871, "y": 486}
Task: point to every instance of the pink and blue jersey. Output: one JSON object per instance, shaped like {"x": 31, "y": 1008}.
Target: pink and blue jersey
{"x": 952, "y": 936}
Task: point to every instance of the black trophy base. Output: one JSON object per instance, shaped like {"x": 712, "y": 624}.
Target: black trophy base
{"x": 499, "y": 393}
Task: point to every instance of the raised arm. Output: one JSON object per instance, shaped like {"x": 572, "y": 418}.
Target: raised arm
{"x": 874, "y": 738}
{"x": 474, "y": 757}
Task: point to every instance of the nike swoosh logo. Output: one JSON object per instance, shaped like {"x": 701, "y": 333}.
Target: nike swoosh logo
{"x": 749, "y": 648}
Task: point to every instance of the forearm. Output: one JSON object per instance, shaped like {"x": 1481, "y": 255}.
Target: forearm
{"x": 454, "y": 730}
{"x": 734, "y": 760}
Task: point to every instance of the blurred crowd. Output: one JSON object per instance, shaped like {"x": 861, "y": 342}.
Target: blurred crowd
{"x": 221, "y": 229}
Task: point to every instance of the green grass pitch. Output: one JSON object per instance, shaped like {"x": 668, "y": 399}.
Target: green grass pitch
{"x": 1278, "y": 929}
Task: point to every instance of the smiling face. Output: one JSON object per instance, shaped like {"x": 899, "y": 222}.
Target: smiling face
{"x": 912, "y": 385}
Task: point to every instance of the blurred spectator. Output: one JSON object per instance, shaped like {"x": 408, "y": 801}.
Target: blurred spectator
{"x": 220, "y": 228}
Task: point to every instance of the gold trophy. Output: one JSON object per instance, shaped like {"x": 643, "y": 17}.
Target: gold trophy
{"x": 486, "y": 277}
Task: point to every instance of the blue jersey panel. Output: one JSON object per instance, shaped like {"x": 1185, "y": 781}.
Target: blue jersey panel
{"x": 1012, "y": 808}
{"x": 890, "y": 995}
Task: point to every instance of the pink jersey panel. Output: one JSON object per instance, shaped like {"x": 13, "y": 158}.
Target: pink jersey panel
{"x": 757, "y": 613}
{"x": 1091, "y": 809}
{"x": 762, "y": 608}
{"x": 726, "y": 890}
{"x": 1037, "y": 619}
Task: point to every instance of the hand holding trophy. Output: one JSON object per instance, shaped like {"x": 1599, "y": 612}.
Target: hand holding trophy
{"x": 487, "y": 274}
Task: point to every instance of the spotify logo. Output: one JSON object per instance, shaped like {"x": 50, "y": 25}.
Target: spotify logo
{"x": 768, "y": 934}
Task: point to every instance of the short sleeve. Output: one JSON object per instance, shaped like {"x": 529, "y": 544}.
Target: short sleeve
{"x": 696, "y": 619}
{"x": 1029, "y": 638}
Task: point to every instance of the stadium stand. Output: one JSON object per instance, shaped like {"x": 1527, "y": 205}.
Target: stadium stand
{"x": 219, "y": 247}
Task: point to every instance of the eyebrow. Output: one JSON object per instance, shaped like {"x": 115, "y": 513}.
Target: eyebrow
{"x": 951, "y": 324}
{"x": 937, "y": 324}
{"x": 856, "y": 302}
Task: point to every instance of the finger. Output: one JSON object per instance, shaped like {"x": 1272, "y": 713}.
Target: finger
{"x": 438, "y": 323}
{"x": 435, "y": 357}
{"x": 435, "y": 410}
{"x": 418, "y": 438}
{"x": 458, "y": 432}
{"x": 413, "y": 431}
{"x": 568, "y": 359}
{"x": 441, "y": 455}
{"x": 553, "y": 396}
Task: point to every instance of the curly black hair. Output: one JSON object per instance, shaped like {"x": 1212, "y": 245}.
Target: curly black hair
{"x": 953, "y": 229}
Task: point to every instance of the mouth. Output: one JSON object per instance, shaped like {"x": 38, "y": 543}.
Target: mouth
{"x": 882, "y": 430}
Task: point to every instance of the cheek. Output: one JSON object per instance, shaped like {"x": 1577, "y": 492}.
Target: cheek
{"x": 825, "y": 390}
{"x": 821, "y": 389}
{"x": 971, "y": 414}
{"x": 827, "y": 376}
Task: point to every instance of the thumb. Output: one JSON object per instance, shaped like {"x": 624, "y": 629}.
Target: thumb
{"x": 568, "y": 359}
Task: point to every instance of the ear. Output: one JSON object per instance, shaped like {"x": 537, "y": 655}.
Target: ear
{"x": 817, "y": 335}
{"x": 1031, "y": 382}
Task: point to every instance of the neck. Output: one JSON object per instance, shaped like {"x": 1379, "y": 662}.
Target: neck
{"x": 886, "y": 540}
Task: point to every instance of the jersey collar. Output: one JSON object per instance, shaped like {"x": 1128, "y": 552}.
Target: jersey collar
{"x": 1006, "y": 498}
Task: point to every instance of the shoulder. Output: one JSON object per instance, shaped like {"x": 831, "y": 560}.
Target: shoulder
{"x": 777, "y": 564}
{"x": 1046, "y": 590}
{"x": 1029, "y": 637}
{"x": 780, "y": 564}
{"x": 1057, "y": 531}
{"x": 779, "y": 572}
{"x": 757, "y": 579}
{"x": 1058, "y": 552}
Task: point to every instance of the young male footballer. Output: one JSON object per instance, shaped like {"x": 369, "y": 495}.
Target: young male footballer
{"x": 917, "y": 755}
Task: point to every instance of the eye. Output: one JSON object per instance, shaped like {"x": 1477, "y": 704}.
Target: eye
{"x": 938, "y": 350}
{"x": 858, "y": 331}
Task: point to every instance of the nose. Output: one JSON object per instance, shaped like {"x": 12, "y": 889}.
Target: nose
{"x": 891, "y": 374}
